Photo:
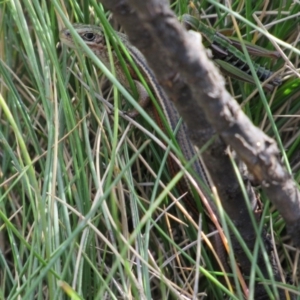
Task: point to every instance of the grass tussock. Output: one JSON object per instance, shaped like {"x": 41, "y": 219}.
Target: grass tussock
{"x": 88, "y": 207}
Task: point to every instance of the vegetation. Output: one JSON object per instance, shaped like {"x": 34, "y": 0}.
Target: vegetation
{"x": 86, "y": 199}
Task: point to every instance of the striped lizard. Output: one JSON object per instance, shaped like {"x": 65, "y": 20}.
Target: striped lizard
{"x": 229, "y": 56}
{"x": 94, "y": 37}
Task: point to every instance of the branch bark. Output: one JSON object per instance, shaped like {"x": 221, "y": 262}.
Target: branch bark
{"x": 180, "y": 63}
{"x": 197, "y": 89}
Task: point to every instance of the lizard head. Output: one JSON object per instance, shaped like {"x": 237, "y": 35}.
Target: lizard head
{"x": 92, "y": 36}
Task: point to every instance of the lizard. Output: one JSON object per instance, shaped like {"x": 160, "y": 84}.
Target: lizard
{"x": 94, "y": 37}
{"x": 227, "y": 53}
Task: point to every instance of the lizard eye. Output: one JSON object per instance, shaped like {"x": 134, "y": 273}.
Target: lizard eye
{"x": 89, "y": 36}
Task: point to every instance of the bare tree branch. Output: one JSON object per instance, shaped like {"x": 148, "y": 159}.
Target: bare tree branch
{"x": 180, "y": 54}
{"x": 197, "y": 90}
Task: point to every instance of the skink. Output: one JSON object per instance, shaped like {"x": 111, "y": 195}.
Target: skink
{"x": 95, "y": 39}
